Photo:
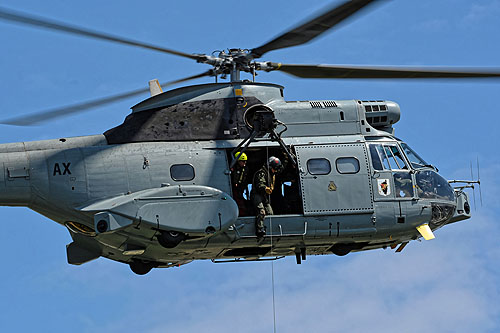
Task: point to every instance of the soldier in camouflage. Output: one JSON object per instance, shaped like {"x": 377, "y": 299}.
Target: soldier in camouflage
{"x": 262, "y": 187}
{"x": 239, "y": 175}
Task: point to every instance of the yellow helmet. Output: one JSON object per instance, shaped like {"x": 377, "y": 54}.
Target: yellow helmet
{"x": 241, "y": 156}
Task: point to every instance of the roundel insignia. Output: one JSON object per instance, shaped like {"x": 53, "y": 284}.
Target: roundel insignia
{"x": 332, "y": 186}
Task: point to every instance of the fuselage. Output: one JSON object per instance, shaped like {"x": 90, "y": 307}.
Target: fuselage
{"x": 355, "y": 186}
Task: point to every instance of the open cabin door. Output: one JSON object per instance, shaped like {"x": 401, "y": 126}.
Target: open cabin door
{"x": 335, "y": 179}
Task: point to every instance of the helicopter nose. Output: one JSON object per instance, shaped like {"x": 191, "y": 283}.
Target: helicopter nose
{"x": 15, "y": 186}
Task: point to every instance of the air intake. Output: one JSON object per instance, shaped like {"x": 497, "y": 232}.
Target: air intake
{"x": 381, "y": 114}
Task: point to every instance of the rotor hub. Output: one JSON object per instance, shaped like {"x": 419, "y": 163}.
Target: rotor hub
{"x": 232, "y": 62}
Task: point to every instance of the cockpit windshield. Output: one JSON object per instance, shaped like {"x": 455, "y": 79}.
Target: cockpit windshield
{"x": 415, "y": 160}
{"x": 430, "y": 185}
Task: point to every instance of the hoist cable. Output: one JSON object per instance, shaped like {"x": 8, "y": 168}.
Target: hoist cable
{"x": 271, "y": 239}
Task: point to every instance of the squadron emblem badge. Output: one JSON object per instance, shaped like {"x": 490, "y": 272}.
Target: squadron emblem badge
{"x": 332, "y": 186}
{"x": 384, "y": 187}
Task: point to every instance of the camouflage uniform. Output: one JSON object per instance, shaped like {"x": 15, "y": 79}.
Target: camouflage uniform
{"x": 239, "y": 175}
{"x": 262, "y": 179}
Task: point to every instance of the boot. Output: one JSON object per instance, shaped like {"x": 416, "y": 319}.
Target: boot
{"x": 260, "y": 232}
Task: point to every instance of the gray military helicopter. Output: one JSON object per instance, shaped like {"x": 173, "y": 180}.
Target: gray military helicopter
{"x": 156, "y": 190}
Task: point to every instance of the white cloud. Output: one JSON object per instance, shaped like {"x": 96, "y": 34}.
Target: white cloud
{"x": 479, "y": 11}
{"x": 441, "y": 285}
{"x": 448, "y": 284}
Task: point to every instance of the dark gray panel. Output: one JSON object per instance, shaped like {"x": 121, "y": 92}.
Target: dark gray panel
{"x": 335, "y": 192}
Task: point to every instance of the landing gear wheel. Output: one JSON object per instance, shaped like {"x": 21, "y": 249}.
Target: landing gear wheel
{"x": 141, "y": 268}
{"x": 170, "y": 239}
{"x": 341, "y": 249}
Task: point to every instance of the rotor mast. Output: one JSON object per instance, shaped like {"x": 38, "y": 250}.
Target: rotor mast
{"x": 235, "y": 73}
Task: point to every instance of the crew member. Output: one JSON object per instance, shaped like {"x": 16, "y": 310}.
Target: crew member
{"x": 262, "y": 187}
{"x": 286, "y": 198}
{"x": 239, "y": 175}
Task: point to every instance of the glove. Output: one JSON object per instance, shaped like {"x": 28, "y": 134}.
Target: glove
{"x": 268, "y": 190}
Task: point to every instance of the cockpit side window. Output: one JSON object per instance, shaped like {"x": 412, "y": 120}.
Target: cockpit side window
{"x": 395, "y": 157}
{"x": 385, "y": 160}
{"x": 376, "y": 161}
{"x": 387, "y": 157}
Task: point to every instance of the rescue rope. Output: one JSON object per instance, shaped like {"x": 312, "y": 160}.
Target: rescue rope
{"x": 274, "y": 305}
{"x": 271, "y": 239}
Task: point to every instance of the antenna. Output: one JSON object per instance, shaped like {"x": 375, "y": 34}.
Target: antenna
{"x": 473, "y": 189}
{"x": 479, "y": 182}
{"x": 463, "y": 184}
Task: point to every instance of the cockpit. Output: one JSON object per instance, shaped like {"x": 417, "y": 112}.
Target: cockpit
{"x": 430, "y": 185}
{"x": 401, "y": 174}
{"x": 412, "y": 176}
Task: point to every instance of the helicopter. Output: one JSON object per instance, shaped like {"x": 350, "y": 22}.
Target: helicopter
{"x": 128, "y": 194}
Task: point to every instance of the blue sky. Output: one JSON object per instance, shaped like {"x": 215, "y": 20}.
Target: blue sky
{"x": 447, "y": 284}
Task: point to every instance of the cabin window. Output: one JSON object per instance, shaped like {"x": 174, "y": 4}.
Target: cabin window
{"x": 347, "y": 165}
{"x": 182, "y": 172}
{"x": 319, "y": 166}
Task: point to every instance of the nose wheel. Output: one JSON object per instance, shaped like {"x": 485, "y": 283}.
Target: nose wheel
{"x": 300, "y": 254}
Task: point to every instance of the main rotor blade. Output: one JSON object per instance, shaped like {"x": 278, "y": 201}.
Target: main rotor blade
{"x": 372, "y": 72}
{"x": 25, "y": 19}
{"x": 39, "y": 117}
{"x": 312, "y": 28}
